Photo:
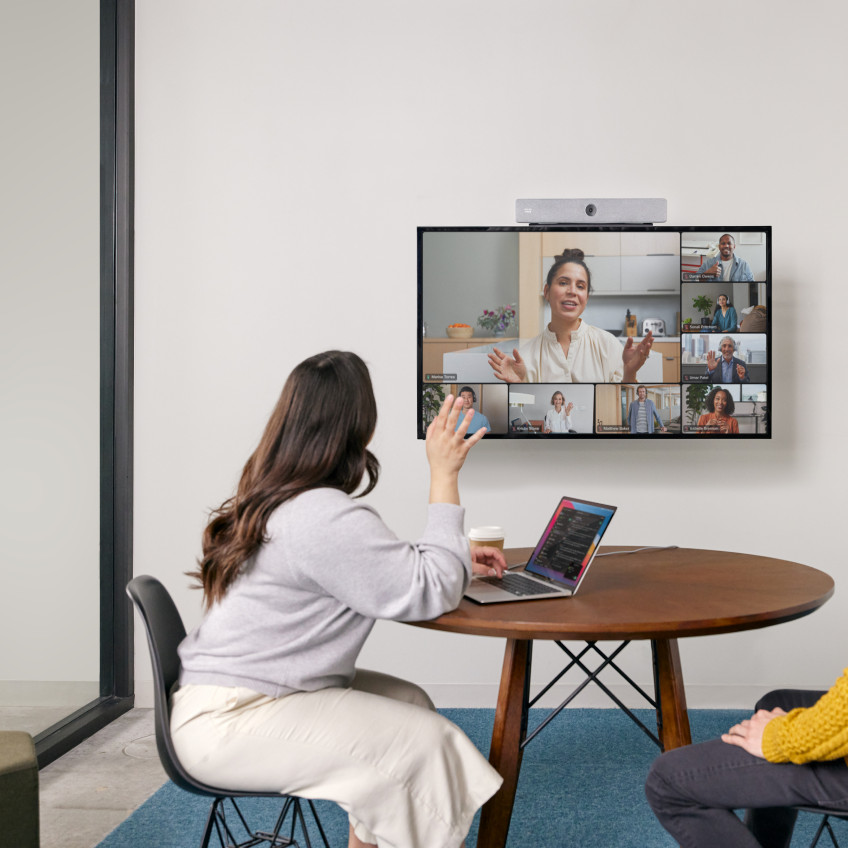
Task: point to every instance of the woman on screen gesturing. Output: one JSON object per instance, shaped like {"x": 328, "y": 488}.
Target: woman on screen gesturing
{"x": 569, "y": 350}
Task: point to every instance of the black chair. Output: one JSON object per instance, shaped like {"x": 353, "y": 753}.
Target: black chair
{"x": 827, "y": 813}
{"x": 165, "y": 631}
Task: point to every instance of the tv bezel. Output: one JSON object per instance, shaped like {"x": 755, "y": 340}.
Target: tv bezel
{"x": 601, "y": 228}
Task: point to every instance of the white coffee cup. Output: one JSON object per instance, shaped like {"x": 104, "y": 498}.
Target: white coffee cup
{"x": 490, "y": 536}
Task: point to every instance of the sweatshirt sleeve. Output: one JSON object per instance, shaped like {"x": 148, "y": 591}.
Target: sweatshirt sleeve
{"x": 814, "y": 734}
{"x": 344, "y": 549}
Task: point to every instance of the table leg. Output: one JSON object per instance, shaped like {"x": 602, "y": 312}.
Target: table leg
{"x": 672, "y": 719}
{"x": 505, "y": 752}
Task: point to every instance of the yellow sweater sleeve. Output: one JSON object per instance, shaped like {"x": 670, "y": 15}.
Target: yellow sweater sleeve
{"x": 813, "y": 734}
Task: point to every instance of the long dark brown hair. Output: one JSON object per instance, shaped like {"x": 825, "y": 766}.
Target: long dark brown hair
{"x": 317, "y": 436}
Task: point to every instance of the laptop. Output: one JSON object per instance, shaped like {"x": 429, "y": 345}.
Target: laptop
{"x": 559, "y": 562}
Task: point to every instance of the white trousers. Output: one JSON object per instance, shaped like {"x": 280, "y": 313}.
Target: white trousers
{"x": 406, "y": 776}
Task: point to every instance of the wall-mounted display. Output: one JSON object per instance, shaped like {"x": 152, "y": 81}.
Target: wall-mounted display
{"x": 607, "y": 332}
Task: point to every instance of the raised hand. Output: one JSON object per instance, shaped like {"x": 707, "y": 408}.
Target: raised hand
{"x": 634, "y": 357}
{"x": 510, "y": 369}
{"x": 447, "y": 448}
{"x": 712, "y": 360}
{"x": 569, "y": 408}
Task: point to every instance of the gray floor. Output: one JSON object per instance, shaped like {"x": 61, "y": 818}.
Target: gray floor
{"x": 32, "y": 720}
{"x": 87, "y": 793}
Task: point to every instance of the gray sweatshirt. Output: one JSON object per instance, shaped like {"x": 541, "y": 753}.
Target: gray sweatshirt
{"x": 297, "y": 616}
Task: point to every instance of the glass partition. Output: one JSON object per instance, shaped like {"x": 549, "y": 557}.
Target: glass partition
{"x": 61, "y": 378}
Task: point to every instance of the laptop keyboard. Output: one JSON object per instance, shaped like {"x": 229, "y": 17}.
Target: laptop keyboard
{"x": 515, "y": 584}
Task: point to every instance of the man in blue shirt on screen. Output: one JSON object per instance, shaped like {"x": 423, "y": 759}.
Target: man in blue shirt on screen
{"x": 728, "y": 369}
{"x": 469, "y": 397}
{"x": 726, "y": 266}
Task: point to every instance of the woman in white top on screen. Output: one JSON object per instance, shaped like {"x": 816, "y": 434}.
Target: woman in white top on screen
{"x": 569, "y": 350}
{"x": 558, "y": 419}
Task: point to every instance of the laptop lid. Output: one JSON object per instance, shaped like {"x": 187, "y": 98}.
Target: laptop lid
{"x": 570, "y": 542}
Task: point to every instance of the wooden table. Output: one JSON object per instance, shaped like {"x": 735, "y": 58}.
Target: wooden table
{"x": 657, "y": 595}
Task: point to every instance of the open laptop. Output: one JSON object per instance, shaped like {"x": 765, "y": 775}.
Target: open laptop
{"x": 559, "y": 562}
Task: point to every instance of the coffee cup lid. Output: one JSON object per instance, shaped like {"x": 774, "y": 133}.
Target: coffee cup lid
{"x": 486, "y": 534}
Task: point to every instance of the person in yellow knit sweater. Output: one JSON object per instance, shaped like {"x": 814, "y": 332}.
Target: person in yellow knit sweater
{"x": 791, "y": 751}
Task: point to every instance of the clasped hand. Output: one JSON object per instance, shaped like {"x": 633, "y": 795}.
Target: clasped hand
{"x": 748, "y": 734}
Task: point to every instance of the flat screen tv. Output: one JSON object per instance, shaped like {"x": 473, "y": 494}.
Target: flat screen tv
{"x": 609, "y": 332}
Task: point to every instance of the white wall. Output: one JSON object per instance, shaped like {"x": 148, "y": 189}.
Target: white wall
{"x": 287, "y": 151}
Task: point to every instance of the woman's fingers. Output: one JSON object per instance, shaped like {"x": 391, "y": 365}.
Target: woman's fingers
{"x": 442, "y": 421}
{"x": 446, "y": 408}
{"x": 453, "y": 415}
{"x": 475, "y": 436}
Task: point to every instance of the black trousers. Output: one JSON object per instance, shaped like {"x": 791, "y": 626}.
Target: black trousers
{"x": 694, "y": 790}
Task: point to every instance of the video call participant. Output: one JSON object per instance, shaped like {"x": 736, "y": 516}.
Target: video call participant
{"x": 728, "y": 369}
{"x": 791, "y": 751}
{"x": 726, "y": 266}
{"x": 719, "y": 417}
{"x": 569, "y": 350}
{"x": 469, "y": 398}
{"x": 642, "y": 413}
{"x": 294, "y": 572}
{"x": 558, "y": 419}
{"x": 725, "y": 317}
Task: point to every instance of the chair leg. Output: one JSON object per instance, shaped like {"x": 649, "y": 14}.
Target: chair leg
{"x": 320, "y": 827}
{"x": 274, "y": 837}
{"x": 210, "y": 824}
{"x": 221, "y": 824}
{"x": 824, "y": 825}
{"x": 830, "y": 832}
{"x": 217, "y": 821}
{"x": 298, "y": 814}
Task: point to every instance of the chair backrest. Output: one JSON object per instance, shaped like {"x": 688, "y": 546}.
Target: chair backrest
{"x": 165, "y": 630}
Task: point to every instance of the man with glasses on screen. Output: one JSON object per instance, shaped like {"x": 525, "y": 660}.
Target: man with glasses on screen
{"x": 726, "y": 266}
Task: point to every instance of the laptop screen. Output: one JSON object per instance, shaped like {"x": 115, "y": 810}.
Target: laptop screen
{"x": 570, "y": 541}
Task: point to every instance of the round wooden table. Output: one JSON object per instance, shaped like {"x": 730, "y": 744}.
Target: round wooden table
{"x": 660, "y": 595}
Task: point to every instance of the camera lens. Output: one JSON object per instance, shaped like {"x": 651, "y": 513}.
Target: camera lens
{"x": 591, "y": 209}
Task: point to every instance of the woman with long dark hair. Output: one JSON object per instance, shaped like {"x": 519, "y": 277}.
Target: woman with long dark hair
{"x": 294, "y": 573}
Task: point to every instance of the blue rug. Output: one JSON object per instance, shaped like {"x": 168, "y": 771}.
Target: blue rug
{"x": 581, "y": 784}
